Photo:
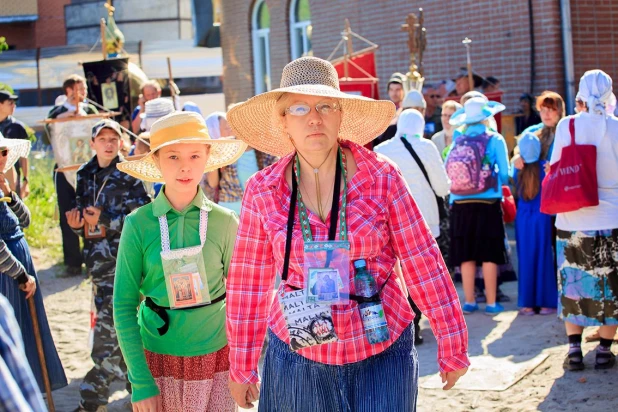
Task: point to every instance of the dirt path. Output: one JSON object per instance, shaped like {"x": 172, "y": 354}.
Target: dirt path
{"x": 547, "y": 388}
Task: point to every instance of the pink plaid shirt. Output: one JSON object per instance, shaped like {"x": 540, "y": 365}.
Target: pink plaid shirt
{"x": 384, "y": 224}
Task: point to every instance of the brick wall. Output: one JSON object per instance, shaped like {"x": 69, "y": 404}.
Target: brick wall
{"x": 50, "y": 28}
{"x": 595, "y": 41}
{"x": 48, "y": 31}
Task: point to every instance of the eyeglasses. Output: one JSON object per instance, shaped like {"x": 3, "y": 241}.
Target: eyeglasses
{"x": 4, "y": 152}
{"x": 300, "y": 110}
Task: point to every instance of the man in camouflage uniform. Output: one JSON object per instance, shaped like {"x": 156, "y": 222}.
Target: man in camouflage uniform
{"x": 104, "y": 197}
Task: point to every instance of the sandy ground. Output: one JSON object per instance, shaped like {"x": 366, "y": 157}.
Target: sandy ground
{"x": 547, "y": 388}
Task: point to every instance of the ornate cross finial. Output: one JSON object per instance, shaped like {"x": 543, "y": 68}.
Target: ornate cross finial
{"x": 417, "y": 42}
{"x": 110, "y": 7}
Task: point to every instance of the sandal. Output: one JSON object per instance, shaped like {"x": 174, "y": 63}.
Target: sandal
{"x": 609, "y": 360}
{"x": 547, "y": 311}
{"x": 574, "y": 361}
{"x": 526, "y": 311}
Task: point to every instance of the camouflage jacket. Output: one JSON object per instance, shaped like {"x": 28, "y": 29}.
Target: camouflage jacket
{"x": 116, "y": 194}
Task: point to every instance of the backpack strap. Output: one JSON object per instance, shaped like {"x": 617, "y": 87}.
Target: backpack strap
{"x": 418, "y": 161}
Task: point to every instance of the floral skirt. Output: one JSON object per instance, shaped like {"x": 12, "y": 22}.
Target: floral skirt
{"x": 193, "y": 383}
{"x": 588, "y": 277}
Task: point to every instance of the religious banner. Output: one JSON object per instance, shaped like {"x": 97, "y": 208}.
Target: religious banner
{"x": 70, "y": 140}
{"x": 109, "y": 86}
{"x": 361, "y": 77}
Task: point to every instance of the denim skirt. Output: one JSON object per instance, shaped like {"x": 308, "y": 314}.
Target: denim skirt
{"x": 292, "y": 383}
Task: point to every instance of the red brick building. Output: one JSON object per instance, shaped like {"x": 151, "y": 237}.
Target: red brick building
{"x": 520, "y": 42}
{"x": 28, "y": 24}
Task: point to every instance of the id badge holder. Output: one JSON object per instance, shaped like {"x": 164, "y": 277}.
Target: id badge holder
{"x": 327, "y": 272}
{"x": 185, "y": 277}
{"x": 184, "y": 270}
{"x": 93, "y": 231}
{"x": 309, "y": 324}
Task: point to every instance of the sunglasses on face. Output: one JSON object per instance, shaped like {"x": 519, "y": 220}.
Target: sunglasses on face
{"x": 434, "y": 96}
{"x": 4, "y": 152}
{"x": 302, "y": 109}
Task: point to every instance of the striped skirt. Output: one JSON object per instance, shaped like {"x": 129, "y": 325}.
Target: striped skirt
{"x": 193, "y": 383}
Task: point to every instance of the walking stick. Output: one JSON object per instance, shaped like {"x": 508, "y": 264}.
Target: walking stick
{"x": 39, "y": 346}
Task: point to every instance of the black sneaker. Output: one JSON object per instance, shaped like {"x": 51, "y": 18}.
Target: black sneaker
{"x": 480, "y": 296}
{"x": 574, "y": 361}
{"x": 608, "y": 360}
{"x": 501, "y": 297}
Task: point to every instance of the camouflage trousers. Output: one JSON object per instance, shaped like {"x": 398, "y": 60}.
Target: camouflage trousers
{"x": 106, "y": 355}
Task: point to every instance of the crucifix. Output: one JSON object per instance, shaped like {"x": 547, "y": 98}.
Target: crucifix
{"x": 417, "y": 42}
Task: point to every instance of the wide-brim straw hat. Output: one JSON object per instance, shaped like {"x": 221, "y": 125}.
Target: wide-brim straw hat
{"x": 255, "y": 121}
{"x": 182, "y": 127}
{"x": 17, "y": 148}
{"x": 475, "y": 110}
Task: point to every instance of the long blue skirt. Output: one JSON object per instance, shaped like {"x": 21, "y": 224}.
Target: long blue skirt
{"x": 9, "y": 288}
{"x": 538, "y": 286}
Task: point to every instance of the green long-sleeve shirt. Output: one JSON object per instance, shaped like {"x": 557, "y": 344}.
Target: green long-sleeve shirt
{"x": 192, "y": 332}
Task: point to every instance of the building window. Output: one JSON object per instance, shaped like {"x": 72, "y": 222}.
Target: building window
{"x": 300, "y": 28}
{"x": 260, "y": 23}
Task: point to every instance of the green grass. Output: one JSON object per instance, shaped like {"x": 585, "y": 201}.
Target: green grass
{"x": 44, "y": 230}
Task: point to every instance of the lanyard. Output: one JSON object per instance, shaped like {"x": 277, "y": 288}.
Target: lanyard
{"x": 335, "y": 213}
{"x": 341, "y": 171}
{"x": 165, "y": 233}
{"x": 96, "y": 199}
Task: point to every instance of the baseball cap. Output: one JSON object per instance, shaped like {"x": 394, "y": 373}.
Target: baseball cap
{"x": 5, "y": 95}
{"x": 106, "y": 124}
{"x": 529, "y": 147}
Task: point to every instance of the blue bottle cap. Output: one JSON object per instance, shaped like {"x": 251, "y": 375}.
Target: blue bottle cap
{"x": 360, "y": 263}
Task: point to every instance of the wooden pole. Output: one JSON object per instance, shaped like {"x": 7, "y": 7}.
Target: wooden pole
{"x": 103, "y": 25}
{"x": 466, "y": 43}
{"x": 39, "y": 346}
{"x": 139, "y": 54}
{"x": 38, "y": 77}
{"x": 171, "y": 80}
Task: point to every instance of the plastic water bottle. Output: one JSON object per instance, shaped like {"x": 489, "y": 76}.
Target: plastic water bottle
{"x": 371, "y": 313}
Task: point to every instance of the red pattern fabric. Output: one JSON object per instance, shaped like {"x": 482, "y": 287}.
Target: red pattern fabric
{"x": 193, "y": 383}
{"x": 384, "y": 224}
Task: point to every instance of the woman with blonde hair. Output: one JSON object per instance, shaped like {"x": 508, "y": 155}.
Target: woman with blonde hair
{"x": 331, "y": 210}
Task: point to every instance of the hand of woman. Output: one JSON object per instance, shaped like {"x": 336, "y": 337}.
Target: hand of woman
{"x": 547, "y": 167}
{"x": 451, "y": 378}
{"x": 29, "y": 287}
{"x": 154, "y": 404}
{"x": 4, "y": 185}
{"x": 244, "y": 394}
{"x": 518, "y": 162}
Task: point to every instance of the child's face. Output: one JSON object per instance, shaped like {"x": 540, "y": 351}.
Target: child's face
{"x": 141, "y": 148}
{"x": 106, "y": 144}
{"x": 182, "y": 165}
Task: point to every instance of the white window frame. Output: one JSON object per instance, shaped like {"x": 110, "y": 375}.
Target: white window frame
{"x": 297, "y": 49}
{"x": 258, "y": 36}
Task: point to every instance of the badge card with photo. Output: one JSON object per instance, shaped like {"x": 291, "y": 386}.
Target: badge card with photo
{"x": 327, "y": 272}
{"x": 323, "y": 285}
{"x": 183, "y": 289}
{"x": 93, "y": 231}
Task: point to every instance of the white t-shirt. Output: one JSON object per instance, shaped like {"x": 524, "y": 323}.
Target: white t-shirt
{"x": 421, "y": 191}
{"x": 589, "y": 130}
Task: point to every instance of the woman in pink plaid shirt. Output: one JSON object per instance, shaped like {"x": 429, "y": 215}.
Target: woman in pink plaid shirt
{"x": 322, "y": 356}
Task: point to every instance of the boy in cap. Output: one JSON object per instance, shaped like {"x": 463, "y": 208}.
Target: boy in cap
{"x": 12, "y": 128}
{"x": 104, "y": 197}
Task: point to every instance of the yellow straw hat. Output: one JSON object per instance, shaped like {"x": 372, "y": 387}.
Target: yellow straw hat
{"x": 182, "y": 127}
{"x": 255, "y": 121}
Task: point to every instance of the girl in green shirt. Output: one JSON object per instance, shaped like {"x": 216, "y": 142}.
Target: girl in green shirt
{"x": 175, "y": 252}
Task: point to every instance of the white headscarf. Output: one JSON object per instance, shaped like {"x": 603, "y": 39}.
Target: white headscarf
{"x": 411, "y": 123}
{"x": 212, "y": 123}
{"x": 595, "y": 89}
